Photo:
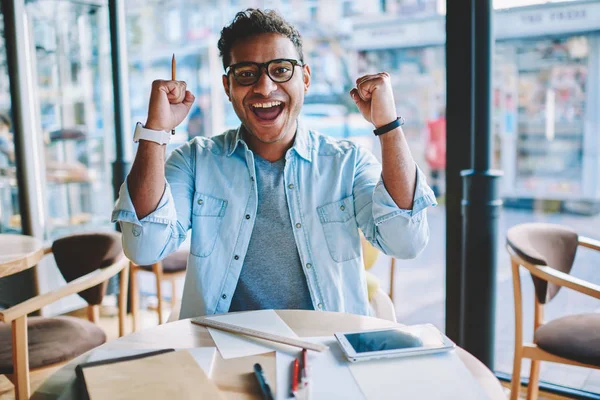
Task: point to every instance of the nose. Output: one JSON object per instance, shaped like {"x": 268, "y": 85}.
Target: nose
{"x": 265, "y": 86}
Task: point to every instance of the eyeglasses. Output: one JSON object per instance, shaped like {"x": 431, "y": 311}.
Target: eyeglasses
{"x": 248, "y": 73}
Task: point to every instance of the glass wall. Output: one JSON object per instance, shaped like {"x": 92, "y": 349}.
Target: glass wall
{"x": 72, "y": 59}
{"x": 545, "y": 126}
{"x": 546, "y": 107}
{"x": 10, "y": 219}
{"x": 70, "y": 55}
{"x": 545, "y": 116}
{"x": 330, "y": 30}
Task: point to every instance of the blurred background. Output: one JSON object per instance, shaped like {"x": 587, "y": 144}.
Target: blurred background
{"x": 546, "y": 118}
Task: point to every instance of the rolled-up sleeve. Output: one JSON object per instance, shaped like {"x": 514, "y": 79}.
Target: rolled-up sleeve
{"x": 152, "y": 238}
{"x": 397, "y": 232}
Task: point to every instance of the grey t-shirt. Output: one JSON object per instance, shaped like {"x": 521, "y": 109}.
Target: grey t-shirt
{"x": 272, "y": 275}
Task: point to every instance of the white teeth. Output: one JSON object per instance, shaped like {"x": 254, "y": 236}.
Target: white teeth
{"x": 266, "y": 105}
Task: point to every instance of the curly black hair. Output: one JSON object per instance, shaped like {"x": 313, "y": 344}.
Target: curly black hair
{"x": 253, "y": 21}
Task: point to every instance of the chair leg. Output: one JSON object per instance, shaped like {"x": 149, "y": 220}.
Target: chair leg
{"x": 534, "y": 380}
{"x": 93, "y": 312}
{"x": 123, "y": 285}
{"x": 515, "y": 384}
{"x": 20, "y": 358}
{"x": 157, "y": 269}
{"x": 135, "y": 297}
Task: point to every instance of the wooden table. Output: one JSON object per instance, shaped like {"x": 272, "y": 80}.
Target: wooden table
{"x": 184, "y": 334}
{"x": 18, "y": 253}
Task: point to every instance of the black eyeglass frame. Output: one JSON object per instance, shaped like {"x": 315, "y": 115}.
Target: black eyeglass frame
{"x": 295, "y": 63}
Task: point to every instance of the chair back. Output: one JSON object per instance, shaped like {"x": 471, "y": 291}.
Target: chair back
{"x": 370, "y": 253}
{"x": 78, "y": 255}
{"x": 549, "y": 245}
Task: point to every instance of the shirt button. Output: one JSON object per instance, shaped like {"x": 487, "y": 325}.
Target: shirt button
{"x": 236, "y": 257}
{"x": 308, "y": 266}
{"x": 298, "y": 225}
{"x": 200, "y": 202}
{"x": 252, "y": 178}
{"x": 223, "y": 296}
{"x": 136, "y": 230}
{"x": 247, "y": 216}
{"x": 291, "y": 185}
{"x": 320, "y": 306}
{"x": 342, "y": 208}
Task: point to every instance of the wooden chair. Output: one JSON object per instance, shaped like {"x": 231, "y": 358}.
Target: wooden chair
{"x": 169, "y": 269}
{"x": 547, "y": 251}
{"x": 86, "y": 262}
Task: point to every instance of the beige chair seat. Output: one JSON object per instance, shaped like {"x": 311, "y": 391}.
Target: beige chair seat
{"x": 51, "y": 341}
{"x": 175, "y": 262}
{"x": 576, "y": 337}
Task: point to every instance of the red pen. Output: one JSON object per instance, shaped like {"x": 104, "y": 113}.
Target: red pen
{"x": 304, "y": 366}
{"x": 295, "y": 376}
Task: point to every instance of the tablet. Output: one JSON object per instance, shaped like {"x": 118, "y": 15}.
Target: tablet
{"x": 397, "y": 342}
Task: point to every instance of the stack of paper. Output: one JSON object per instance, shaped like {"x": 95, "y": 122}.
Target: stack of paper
{"x": 172, "y": 375}
{"x": 231, "y": 345}
{"x": 329, "y": 373}
{"x": 441, "y": 376}
{"x": 204, "y": 356}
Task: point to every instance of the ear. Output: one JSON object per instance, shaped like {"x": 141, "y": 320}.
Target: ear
{"x": 306, "y": 77}
{"x": 226, "y": 86}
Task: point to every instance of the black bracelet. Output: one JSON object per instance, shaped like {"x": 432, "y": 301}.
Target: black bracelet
{"x": 392, "y": 125}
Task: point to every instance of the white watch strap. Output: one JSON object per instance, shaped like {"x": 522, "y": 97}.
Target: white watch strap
{"x": 160, "y": 137}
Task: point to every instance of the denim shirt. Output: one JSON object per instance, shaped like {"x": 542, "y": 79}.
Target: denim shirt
{"x": 333, "y": 188}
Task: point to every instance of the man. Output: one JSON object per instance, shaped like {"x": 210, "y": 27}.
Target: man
{"x": 274, "y": 207}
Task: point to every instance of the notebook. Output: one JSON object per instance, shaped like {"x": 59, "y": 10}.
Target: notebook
{"x": 162, "y": 374}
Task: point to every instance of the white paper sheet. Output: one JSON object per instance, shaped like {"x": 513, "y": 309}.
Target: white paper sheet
{"x": 232, "y": 346}
{"x": 441, "y": 376}
{"x": 204, "y": 356}
{"x": 329, "y": 374}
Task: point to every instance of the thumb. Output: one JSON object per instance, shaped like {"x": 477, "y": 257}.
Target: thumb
{"x": 188, "y": 100}
{"x": 362, "y": 105}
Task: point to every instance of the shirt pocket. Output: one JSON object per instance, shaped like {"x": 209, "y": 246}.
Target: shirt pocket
{"x": 340, "y": 228}
{"x": 207, "y": 217}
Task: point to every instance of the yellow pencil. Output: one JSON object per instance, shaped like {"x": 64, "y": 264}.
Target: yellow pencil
{"x": 173, "y": 77}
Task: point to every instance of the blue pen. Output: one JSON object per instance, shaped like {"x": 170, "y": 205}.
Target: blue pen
{"x": 262, "y": 381}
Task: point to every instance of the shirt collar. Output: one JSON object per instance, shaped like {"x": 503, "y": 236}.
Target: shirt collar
{"x": 302, "y": 142}
{"x": 234, "y": 139}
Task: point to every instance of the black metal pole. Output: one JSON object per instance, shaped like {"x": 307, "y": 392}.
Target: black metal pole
{"x": 480, "y": 205}
{"x": 459, "y": 125}
{"x": 120, "y": 167}
{"x": 120, "y": 91}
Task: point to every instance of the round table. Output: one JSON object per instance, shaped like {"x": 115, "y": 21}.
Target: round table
{"x": 183, "y": 334}
{"x": 18, "y": 253}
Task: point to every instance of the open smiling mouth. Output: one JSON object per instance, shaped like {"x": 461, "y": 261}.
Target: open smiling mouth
{"x": 268, "y": 111}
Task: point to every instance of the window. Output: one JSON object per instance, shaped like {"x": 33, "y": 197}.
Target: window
{"x": 339, "y": 49}
{"x": 545, "y": 129}
{"x": 10, "y": 219}
{"x": 72, "y": 60}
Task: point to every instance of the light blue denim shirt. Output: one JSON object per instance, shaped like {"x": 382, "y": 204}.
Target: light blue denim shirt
{"x": 333, "y": 188}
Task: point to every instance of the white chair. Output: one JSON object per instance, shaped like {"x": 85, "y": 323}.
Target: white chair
{"x": 382, "y": 306}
